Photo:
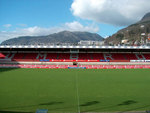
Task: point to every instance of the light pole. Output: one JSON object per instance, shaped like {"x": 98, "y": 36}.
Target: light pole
{"x": 142, "y": 35}
{"x": 142, "y": 38}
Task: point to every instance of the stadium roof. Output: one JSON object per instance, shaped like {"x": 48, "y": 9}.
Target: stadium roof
{"x": 74, "y": 47}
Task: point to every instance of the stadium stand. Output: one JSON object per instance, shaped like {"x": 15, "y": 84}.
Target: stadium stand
{"x": 64, "y": 57}
{"x": 81, "y": 56}
{"x": 85, "y": 66}
{"x": 2, "y": 56}
{"x": 52, "y": 56}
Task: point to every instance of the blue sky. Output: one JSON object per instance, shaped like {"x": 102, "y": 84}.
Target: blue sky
{"x": 43, "y": 17}
{"x": 42, "y": 13}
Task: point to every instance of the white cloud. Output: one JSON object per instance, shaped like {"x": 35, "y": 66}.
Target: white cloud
{"x": 38, "y": 31}
{"x": 115, "y": 12}
{"x": 7, "y": 25}
{"x": 76, "y": 26}
{"x": 22, "y": 25}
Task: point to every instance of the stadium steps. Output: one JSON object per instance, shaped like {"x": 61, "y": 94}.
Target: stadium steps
{"x": 74, "y": 56}
{"x": 10, "y": 56}
{"x": 140, "y": 56}
{"x": 92, "y": 56}
{"x": 24, "y": 56}
{"x": 125, "y": 57}
{"x": 57, "y": 55}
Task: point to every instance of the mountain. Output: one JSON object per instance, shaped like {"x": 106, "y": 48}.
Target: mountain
{"x": 61, "y": 37}
{"x": 146, "y": 17}
{"x": 135, "y": 34}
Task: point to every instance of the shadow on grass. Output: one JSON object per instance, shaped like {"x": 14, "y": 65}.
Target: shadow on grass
{"x": 51, "y": 103}
{"x": 7, "y": 69}
{"x": 90, "y": 103}
{"x": 14, "y": 112}
{"x": 137, "y": 108}
{"x": 128, "y": 102}
{"x": 42, "y": 104}
{"x": 124, "y": 103}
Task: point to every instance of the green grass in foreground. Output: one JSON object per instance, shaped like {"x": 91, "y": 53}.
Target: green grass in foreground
{"x": 26, "y": 90}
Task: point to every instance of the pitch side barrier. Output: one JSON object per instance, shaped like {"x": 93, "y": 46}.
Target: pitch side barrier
{"x": 77, "y": 67}
{"x": 44, "y": 60}
{"x": 53, "y": 60}
{"x": 68, "y": 60}
{"x": 139, "y": 60}
{"x": 64, "y": 60}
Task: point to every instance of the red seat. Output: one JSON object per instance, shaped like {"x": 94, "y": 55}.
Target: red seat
{"x": 84, "y": 57}
{"x": 2, "y": 56}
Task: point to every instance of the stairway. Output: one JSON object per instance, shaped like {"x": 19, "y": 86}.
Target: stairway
{"x": 125, "y": 57}
{"x": 74, "y": 56}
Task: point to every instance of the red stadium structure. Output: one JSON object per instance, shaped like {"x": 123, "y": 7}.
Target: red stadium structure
{"x": 80, "y": 57}
{"x": 63, "y": 56}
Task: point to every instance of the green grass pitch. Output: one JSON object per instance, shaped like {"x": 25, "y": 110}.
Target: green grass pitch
{"x": 58, "y": 90}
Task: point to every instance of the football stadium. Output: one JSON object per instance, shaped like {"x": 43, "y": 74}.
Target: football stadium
{"x": 74, "y": 56}
{"x": 71, "y": 79}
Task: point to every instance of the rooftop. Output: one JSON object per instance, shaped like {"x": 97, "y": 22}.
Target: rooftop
{"x": 74, "y": 46}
